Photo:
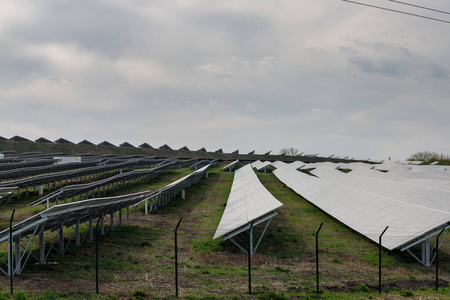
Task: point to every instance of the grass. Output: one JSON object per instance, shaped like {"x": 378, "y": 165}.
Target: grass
{"x": 137, "y": 260}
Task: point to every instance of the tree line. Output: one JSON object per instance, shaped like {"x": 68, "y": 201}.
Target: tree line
{"x": 429, "y": 157}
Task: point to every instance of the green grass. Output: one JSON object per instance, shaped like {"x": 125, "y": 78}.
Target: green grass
{"x": 140, "y": 256}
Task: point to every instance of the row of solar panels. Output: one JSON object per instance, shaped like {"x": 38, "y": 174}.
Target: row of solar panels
{"x": 106, "y": 143}
{"x": 312, "y": 157}
{"x": 59, "y": 176}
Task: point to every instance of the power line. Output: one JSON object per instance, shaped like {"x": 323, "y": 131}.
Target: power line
{"x": 398, "y": 11}
{"x": 422, "y": 7}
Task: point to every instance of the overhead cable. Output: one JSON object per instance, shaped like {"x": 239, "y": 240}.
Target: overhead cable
{"x": 422, "y": 7}
{"x": 398, "y": 11}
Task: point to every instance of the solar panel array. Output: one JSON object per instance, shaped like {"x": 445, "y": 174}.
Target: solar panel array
{"x": 68, "y": 175}
{"x": 67, "y": 215}
{"x": 14, "y": 164}
{"x": 32, "y": 171}
{"x": 368, "y": 200}
{"x": 101, "y": 187}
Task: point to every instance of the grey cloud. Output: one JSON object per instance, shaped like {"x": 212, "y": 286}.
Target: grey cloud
{"x": 91, "y": 24}
{"x": 401, "y": 67}
{"x": 240, "y": 74}
{"x": 378, "y": 58}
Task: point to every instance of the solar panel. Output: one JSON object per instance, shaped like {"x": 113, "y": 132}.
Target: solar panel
{"x": 145, "y": 145}
{"x": 165, "y": 147}
{"x": 18, "y": 138}
{"x": 259, "y": 165}
{"x": 126, "y": 144}
{"x": 368, "y": 204}
{"x": 248, "y": 201}
{"x": 63, "y": 141}
{"x": 85, "y": 142}
{"x": 106, "y": 143}
{"x": 231, "y": 166}
{"x": 43, "y": 140}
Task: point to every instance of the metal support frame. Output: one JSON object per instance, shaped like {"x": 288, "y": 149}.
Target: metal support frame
{"x": 428, "y": 254}
{"x": 19, "y": 253}
{"x": 231, "y": 235}
{"x": 163, "y": 196}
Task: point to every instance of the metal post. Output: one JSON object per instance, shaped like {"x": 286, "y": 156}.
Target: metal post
{"x": 317, "y": 256}
{"x": 17, "y": 245}
{"x": 250, "y": 244}
{"x": 437, "y": 259}
{"x": 379, "y": 260}
{"x": 96, "y": 257}
{"x": 61, "y": 240}
{"x": 41, "y": 247}
{"x": 11, "y": 272}
{"x": 102, "y": 225}
{"x": 111, "y": 225}
{"x": 91, "y": 231}
{"x": 77, "y": 233}
{"x": 176, "y": 259}
{"x": 146, "y": 206}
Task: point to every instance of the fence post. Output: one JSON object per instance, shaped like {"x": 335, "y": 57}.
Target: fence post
{"x": 379, "y": 260}
{"x": 96, "y": 256}
{"x": 317, "y": 256}
{"x": 11, "y": 257}
{"x": 176, "y": 258}
{"x": 437, "y": 259}
{"x": 250, "y": 248}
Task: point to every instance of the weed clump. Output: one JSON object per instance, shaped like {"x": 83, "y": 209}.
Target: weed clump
{"x": 138, "y": 294}
{"x": 273, "y": 295}
{"x": 362, "y": 288}
{"x": 20, "y": 296}
{"x": 405, "y": 293}
{"x": 282, "y": 270}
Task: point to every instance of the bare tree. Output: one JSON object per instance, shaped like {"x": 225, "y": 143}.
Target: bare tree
{"x": 428, "y": 156}
{"x": 289, "y": 151}
{"x": 424, "y": 156}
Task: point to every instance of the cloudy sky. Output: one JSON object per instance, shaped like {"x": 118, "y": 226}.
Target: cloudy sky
{"x": 322, "y": 76}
